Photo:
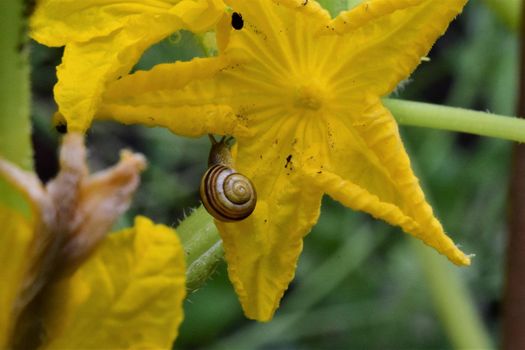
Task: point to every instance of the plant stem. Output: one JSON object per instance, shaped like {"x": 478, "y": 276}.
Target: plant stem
{"x": 15, "y": 128}
{"x": 203, "y": 247}
{"x": 451, "y": 300}
{"x": 514, "y": 293}
{"x": 456, "y": 119}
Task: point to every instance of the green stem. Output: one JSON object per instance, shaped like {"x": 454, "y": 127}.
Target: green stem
{"x": 203, "y": 247}
{"x": 15, "y": 127}
{"x": 456, "y": 119}
{"x": 451, "y": 300}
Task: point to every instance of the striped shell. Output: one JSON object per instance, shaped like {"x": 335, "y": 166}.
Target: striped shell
{"x": 226, "y": 194}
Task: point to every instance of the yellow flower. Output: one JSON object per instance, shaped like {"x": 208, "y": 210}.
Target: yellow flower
{"x": 65, "y": 286}
{"x": 105, "y": 38}
{"x": 305, "y": 90}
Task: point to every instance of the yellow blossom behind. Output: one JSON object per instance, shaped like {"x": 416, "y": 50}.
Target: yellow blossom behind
{"x": 127, "y": 295}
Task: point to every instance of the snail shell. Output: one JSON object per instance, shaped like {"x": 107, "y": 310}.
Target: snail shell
{"x": 226, "y": 194}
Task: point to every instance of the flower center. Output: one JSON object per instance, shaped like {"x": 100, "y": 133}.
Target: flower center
{"x": 309, "y": 97}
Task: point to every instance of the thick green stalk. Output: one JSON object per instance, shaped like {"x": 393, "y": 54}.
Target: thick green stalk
{"x": 456, "y": 119}
{"x": 15, "y": 128}
{"x": 451, "y": 300}
{"x": 203, "y": 247}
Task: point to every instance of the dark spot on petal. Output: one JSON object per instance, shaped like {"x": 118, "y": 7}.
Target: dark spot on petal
{"x": 288, "y": 161}
{"x": 305, "y": 2}
{"x": 237, "y": 21}
{"x": 61, "y": 127}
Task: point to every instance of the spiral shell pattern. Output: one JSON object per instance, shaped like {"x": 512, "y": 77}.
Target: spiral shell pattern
{"x": 226, "y": 194}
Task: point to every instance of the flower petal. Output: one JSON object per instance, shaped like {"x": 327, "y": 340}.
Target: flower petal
{"x": 128, "y": 295}
{"x": 87, "y": 67}
{"x": 60, "y": 22}
{"x": 103, "y": 197}
{"x": 199, "y": 15}
{"x": 105, "y": 39}
{"x": 177, "y": 96}
{"x": 386, "y": 39}
{"x": 262, "y": 250}
{"x": 310, "y": 8}
{"x": 15, "y": 239}
{"x": 369, "y": 170}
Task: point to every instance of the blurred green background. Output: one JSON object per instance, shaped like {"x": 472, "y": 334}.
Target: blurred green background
{"x": 359, "y": 283}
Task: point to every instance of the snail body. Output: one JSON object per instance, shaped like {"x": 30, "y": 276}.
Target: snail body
{"x": 226, "y": 194}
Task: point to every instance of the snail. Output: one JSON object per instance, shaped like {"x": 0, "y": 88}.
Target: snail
{"x": 226, "y": 194}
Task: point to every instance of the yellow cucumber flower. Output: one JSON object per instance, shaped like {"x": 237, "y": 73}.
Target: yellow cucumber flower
{"x": 67, "y": 286}
{"x": 306, "y": 93}
{"x": 105, "y": 38}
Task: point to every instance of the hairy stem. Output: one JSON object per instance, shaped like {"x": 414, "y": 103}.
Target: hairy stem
{"x": 203, "y": 247}
{"x": 514, "y": 293}
{"x": 456, "y": 119}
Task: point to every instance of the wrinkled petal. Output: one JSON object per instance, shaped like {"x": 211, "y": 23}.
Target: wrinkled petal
{"x": 59, "y": 22}
{"x": 310, "y": 8}
{"x": 199, "y": 15}
{"x": 262, "y": 250}
{"x": 104, "y": 40}
{"x": 366, "y": 168}
{"x": 15, "y": 239}
{"x": 102, "y": 198}
{"x": 385, "y": 40}
{"x": 127, "y": 295}
{"x": 87, "y": 67}
{"x": 176, "y": 96}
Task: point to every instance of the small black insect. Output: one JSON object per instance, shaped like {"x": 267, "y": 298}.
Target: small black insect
{"x": 237, "y": 21}
{"x": 61, "y": 127}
